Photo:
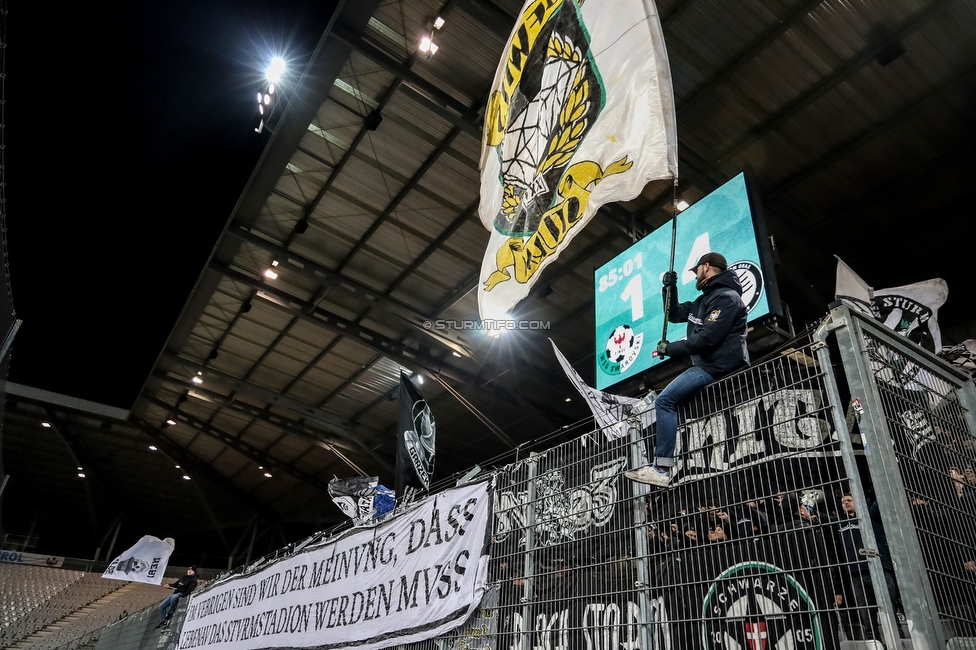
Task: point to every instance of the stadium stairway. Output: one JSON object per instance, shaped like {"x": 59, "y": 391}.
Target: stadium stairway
{"x": 131, "y": 596}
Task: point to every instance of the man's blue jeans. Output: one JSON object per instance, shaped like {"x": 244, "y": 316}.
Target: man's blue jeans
{"x": 680, "y": 390}
{"x": 168, "y": 606}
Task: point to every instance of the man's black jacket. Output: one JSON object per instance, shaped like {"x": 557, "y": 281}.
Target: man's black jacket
{"x": 185, "y": 585}
{"x": 716, "y": 339}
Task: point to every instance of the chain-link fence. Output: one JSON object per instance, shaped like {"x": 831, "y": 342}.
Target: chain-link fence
{"x": 821, "y": 499}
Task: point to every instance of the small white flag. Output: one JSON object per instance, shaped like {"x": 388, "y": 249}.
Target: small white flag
{"x": 851, "y": 289}
{"x": 912, "y": 310}
{"x": 144, "y": 562}
{"x": 609, "y": 411}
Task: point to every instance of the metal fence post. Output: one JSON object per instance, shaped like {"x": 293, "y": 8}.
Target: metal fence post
{"x": 528, "y": 624}
{"x": 904, "y": 546}
{"x": 886, "y": 610}
{"x": 641, "y": 550}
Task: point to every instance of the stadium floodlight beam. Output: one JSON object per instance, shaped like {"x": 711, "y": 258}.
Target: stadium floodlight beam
{"x": 275, "y": 69}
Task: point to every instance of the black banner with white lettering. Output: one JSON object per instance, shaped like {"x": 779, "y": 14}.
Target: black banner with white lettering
{"x": 416, "y": 437}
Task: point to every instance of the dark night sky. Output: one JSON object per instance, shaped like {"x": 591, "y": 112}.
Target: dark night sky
{"x": 129, "y": 137}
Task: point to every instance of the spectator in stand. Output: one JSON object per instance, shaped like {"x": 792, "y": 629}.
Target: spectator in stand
{"x": 717, "y": 534}
{"x": 855, "y": 587}
{"x": 181, "y": 587}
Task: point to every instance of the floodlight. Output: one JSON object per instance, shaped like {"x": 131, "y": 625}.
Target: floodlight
{"x": 438, "y": 22}
{"x": 81, "y": 475}
{"x": 267, "y": 99}
{"x": 271, "y": 275}
{"x": 681, "y": 205}
{"x": 46, "y": 425}
{"x": 267, "y": 474}
{"x": 275, "y": 69}
{"x": 271, "y": 89}
{"x": 186, "y": 478}
{"x": 170, "y": 422}
{"x": 153, "y": 448}
{"x": 425, "y": 44}
{"x": 197, "y": 380}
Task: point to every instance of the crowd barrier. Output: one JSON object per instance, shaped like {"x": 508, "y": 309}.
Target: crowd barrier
{"x": 823, "y": 499}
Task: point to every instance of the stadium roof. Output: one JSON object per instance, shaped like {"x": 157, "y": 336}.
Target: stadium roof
{"x": 852, "y": 120}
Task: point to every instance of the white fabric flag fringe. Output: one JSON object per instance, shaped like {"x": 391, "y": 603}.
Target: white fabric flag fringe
{"x": 581, "y": 113}
{"x": 962, "y": 356}
{"x": 609, "y": 411}
{"x": 144, "y": 562}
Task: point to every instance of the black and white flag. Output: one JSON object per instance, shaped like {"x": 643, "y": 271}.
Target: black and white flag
{"x": 144, "y": 562}
{"x": 361, "y": 498}
{"x": 415, "y": 440}
{"x": 609, "y": 411}
{"x": 911, "y": 310}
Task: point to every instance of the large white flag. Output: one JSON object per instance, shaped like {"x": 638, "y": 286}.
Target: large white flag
{"x": 609, "y": 411}
{"x": 912, "y": 310}
{"x": 580, "y": 113}
{"x": 144, "y": 562}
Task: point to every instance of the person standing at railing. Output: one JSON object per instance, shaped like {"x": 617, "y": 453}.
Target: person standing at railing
{"x": 181, "y": 587}
{"x": 716, "y": 343}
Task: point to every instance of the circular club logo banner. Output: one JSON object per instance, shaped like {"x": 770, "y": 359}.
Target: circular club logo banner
{"x": 751, "y": 278}
{"x": 758, "y": 606}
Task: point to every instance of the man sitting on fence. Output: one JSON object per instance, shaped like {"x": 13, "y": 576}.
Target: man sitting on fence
{"x": 181, "y": 587}
{"x": 716, "y": 343}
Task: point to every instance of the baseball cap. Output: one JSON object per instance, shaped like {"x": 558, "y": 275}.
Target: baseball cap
{"x": 715, "y": 259}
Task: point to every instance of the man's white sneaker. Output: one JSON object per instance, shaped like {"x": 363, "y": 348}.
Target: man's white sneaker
{"x": 649, "y": 475}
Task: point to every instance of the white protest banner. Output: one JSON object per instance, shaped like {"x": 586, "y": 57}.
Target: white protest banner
{"x": 410, "y": 578}
{"x": 144, "y": 562}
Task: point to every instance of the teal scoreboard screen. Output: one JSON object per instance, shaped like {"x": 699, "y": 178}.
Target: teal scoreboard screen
{"x": 629, "y": 309}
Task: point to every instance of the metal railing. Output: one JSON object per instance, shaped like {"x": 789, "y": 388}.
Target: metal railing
{"x": 821, "y": 499}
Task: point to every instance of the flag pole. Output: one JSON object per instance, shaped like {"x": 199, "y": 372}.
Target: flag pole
{"x": 674, "y": 237}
